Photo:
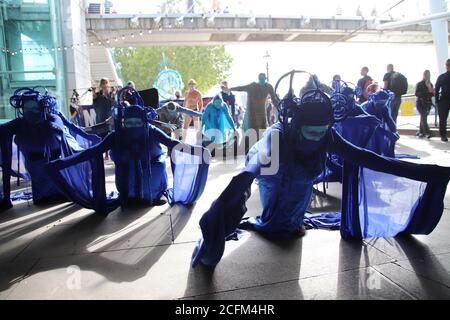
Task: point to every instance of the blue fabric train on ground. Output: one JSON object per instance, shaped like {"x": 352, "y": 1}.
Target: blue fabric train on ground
{"x": 381, "y": 196}
{"x": 38, "y": 135}
{"x": 217, "y": 124}
{"x": 140, "y": 164}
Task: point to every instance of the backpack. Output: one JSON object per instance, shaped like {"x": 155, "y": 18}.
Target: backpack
{"x": 398, "y": 84}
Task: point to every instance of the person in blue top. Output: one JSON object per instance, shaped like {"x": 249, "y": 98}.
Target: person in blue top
{"x": 217, "y": 125}
{"x": 381, "y": 196}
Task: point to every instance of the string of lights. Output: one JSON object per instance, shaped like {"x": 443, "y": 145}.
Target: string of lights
{"x": 160, "y": 23}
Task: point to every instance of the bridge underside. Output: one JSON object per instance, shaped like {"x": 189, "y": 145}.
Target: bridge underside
{"x": 132, "y": 31}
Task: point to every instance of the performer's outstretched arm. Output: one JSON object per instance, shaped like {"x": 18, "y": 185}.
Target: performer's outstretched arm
{"x": 171, "y": 143}
{"x": 369, "y": 159}
{"x": 189, "y": 112}
{"x": 273, "y": 96}
{"x": 85, "y": 155}
{"x": 241, "y": 88}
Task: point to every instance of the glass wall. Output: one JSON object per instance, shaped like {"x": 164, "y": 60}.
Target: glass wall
{"x": 30, "y": 47}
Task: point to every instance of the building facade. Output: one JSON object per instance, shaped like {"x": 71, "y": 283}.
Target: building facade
{"x": 43, "y": 43}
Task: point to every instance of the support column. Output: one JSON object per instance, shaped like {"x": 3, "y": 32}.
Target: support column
{"x": 77, "y": 73}
{"x": 440, "y": 33}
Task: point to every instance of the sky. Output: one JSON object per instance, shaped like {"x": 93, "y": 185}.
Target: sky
{"x": 341, "y": 58}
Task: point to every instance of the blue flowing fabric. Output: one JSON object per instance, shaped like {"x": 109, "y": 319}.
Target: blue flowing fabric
{"x": 217, "y": 124}
{"x": 143, "y": 179}
{"x": 386, "y": 135}
{"x": 357, "y": 128}
{"x": 327, "y": 220}
{"x": 370, "y": 183}
{"x": 382, "y": 197}
{"x": 37, "y": 145}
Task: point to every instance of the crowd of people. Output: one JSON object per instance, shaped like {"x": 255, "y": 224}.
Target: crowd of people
{"x": 261, "y": 110}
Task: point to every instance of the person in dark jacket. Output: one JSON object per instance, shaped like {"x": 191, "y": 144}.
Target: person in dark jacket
{"x": 363, "y": 83}
{"x": 103, "y": 101}
{"x": 424, "y": 93}
{"x": 443, "y": 100}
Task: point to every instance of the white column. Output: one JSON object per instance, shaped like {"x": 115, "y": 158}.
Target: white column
{"x": 77, "y": 61}
{"x": 440, "y": 33}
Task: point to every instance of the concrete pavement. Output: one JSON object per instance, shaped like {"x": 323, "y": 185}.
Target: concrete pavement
{"x": 62, "y": 251}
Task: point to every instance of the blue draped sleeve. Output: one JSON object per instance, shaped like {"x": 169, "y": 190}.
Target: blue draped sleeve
{"x": 82, "y": 138}
{"x": 383, "y": 196}
{"x": 226, "y": 212}
{"x": 82, "y": 177}
{"x": 189, "y": 165}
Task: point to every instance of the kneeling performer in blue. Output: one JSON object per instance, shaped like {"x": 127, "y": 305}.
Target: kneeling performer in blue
{"x": 140, "y": 165}
{"x": 292, "y": 154}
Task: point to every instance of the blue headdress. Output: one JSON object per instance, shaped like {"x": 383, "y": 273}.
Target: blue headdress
{"x": 126, "y": 98}
{"x": 381, "y": 97}
{"x": 313, "y": 108}
{"x": 46, "y": 103}
{"x": 342, "y": 99}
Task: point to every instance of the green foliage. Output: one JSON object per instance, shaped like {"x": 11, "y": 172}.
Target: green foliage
{"x": 208, "y": 65}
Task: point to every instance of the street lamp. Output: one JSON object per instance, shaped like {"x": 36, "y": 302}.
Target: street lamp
{"x": 267, "y": 57}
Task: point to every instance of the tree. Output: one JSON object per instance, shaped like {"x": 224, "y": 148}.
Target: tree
{"x": 208, "y": 65}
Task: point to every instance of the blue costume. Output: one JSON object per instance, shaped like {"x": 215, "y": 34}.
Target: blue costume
{"x": 381, "y": 196}
{"x": 38, "y": 135}
{"x": 386, "y": 135}
{"x": 140, "y": 165}
{"x": 353, "y": 123}
{"x": 217, "y": 125}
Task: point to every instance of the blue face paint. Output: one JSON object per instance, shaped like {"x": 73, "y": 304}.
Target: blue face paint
{"x": 314, "y": 133}
{"x": 262, "y": 81}
{"x": 133, "y": 127}
{"x": 217, "y": 103}
{"x": 32, "y": 112}
{"x": 133, "y": 123}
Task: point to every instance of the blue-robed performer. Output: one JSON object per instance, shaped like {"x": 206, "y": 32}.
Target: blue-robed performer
{"x": 352, "y": 122}
{"x": 381, "y": 196}
{"x": 37, "y": 136}
{"x": 140, "y": 164}
{"x": 386, "y": 135}
{"x": 217, "y": 125}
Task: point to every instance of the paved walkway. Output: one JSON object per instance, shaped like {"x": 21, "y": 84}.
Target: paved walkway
{"x": 65, "y": 252}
